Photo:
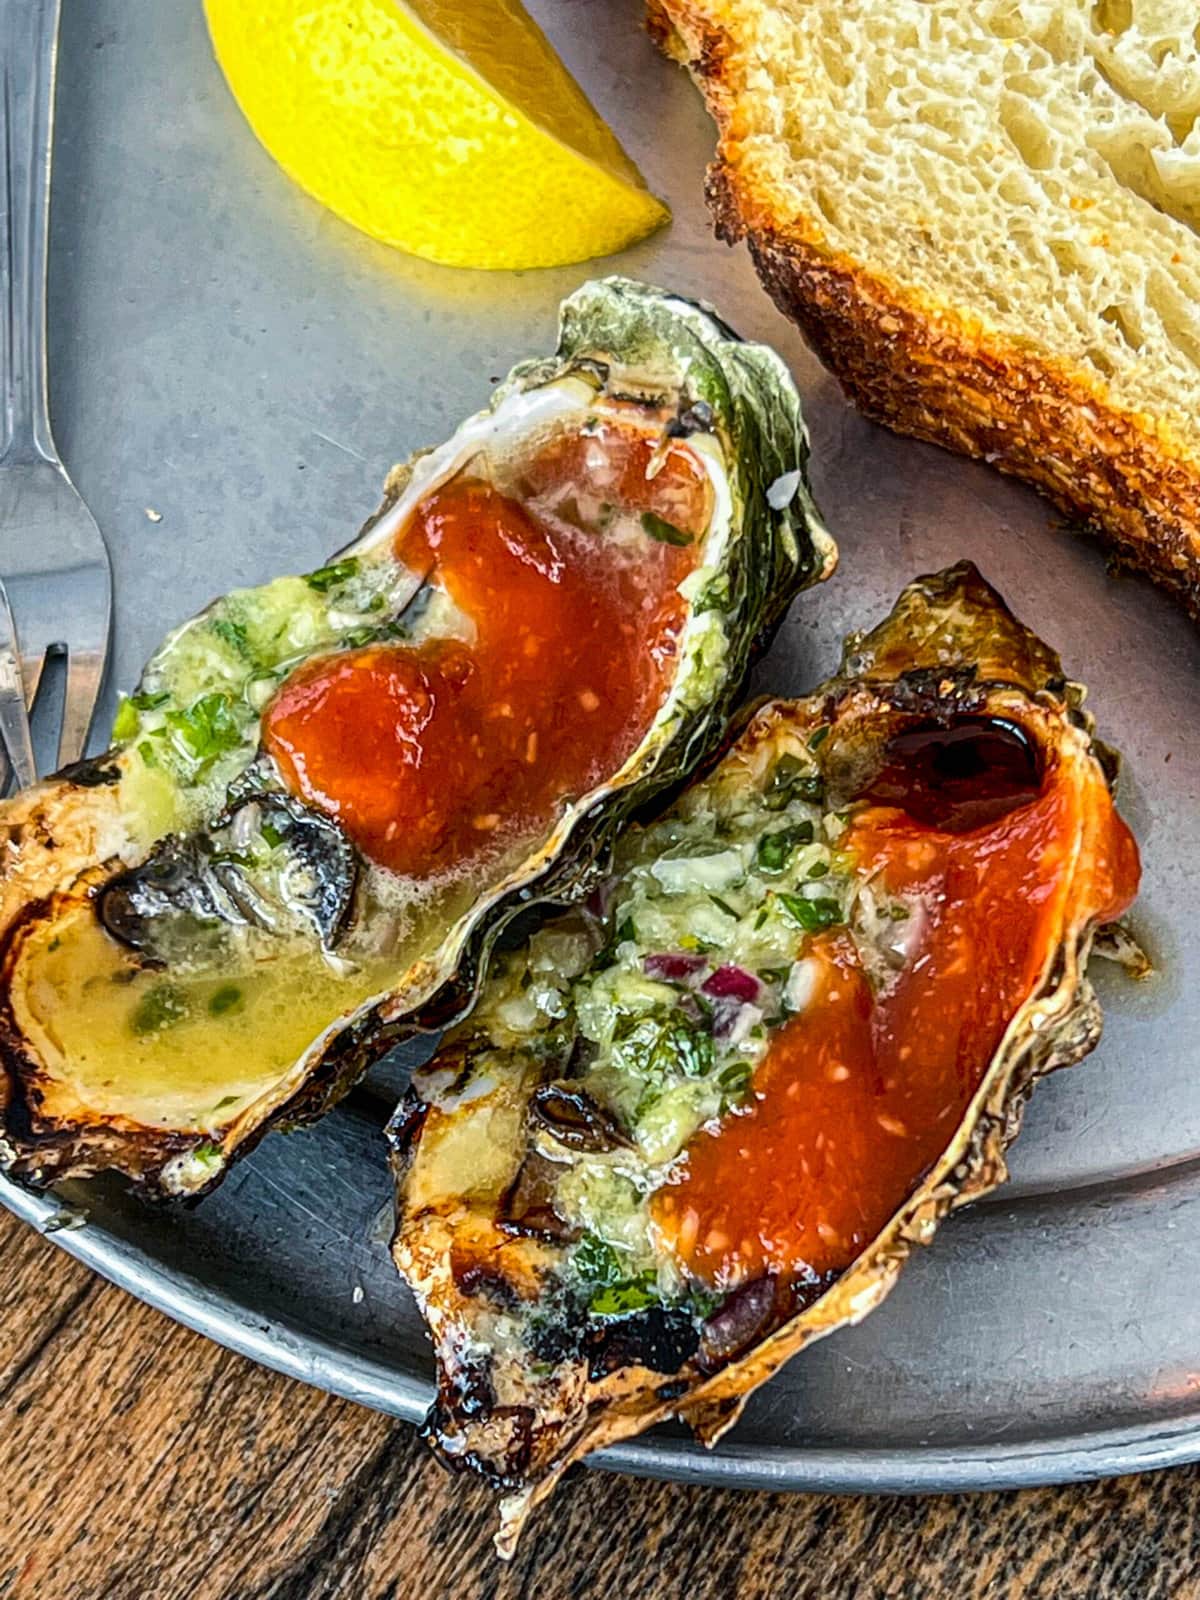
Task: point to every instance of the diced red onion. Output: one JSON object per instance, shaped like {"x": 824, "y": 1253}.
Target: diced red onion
{"x": 674, "y": 967}
{"x": 732, "y": 983}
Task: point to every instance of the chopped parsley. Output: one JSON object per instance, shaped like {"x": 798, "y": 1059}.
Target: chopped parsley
{"x": 337, "y": 572}
{"x": 619, "y": 1299}
{"x": 793, "y": 779}
{"x": 775, "y": 849}
{"x": 225, "y": 999}
{"x": 373, "y": 633}
{"x": 596, "y": 1262}
{"x": 127, "y": 721}
{"x": 623, "y": 933}
{"x": 159, "y": 1008}
{"x": 233, "y": 634}
{"x": 148, "y": 702}
{"x": 655, "y": 1047}
{"x": 810, "y": 915}
{"x": 613, "y": 1291}
{"x": 714, "y": 596}
{"x": 207, "y": 729}
{"x": 704, "y": 1302}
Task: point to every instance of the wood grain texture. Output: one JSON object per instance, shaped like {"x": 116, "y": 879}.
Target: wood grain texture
{"x": 140, "y": 1462}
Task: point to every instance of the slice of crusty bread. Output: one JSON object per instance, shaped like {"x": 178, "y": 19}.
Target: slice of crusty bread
{"x": 983, "y": 215}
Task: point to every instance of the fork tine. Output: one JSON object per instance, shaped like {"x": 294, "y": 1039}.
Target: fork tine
{"x": 85, "y": 671}
{"x": 14, "y": 719}
{"x": 88, "y": 609}
{"x": 53, "y": 553}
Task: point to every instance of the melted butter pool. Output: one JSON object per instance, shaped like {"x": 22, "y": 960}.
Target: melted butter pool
{"x": 179, "y": 1050}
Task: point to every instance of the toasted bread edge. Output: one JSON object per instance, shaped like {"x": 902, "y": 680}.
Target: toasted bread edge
{"x": 929, "y": 370}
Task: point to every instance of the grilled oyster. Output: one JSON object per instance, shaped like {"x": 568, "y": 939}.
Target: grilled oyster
{"x": 328, "y": 794}
{"x": 701, "y": 1123}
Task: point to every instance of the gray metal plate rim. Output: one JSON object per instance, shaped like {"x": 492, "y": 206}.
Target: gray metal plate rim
{"x": 233, "y": 372}
{"x": 1088, "y": 1454}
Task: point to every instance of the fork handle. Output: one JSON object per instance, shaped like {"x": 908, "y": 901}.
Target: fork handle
{"x": 28, "y": 48}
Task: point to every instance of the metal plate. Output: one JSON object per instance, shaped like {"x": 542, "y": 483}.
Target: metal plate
{"x": 236, "y": 360}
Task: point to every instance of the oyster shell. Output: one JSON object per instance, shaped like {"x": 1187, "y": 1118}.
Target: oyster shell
{"x": 687, "y": 1132}
{"x": 219, "y": 924}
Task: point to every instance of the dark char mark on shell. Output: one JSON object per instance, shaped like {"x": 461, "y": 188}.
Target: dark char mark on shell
{"x": 662, "y": 1338}
{"x": 526, "y": 1207}
{"x": 576, "y": 1120}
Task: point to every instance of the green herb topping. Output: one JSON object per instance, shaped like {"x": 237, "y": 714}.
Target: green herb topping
{"x": 337, "y": 572}
{"x": 159, "y": 1008}
{"x": 233, "y": 634}
{"x": 657, "y": 1047}
{"x": 126, "y": 722}
{"x": 775, "y": 849}
{"x": 614, "y": 1292}
{"x": 207, "y": 729}
{"x": 793, "y": 779}
{"x": 225, "y": 999}
{"x": 622, "y": 1298}
{"x": 811, "y": 915}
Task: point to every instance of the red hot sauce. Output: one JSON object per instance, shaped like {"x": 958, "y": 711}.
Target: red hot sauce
{"x": 432, "y": 756}
{"x": 858, "y": 1095}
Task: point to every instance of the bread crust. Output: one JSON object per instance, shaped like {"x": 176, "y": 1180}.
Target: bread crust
{"x": 936, "y": 372}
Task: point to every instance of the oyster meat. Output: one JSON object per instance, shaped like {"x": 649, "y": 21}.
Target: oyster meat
{"x": 702, "y": 1121}
{"x": 328, "y": 795}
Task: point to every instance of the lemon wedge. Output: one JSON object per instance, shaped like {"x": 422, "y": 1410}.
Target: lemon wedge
{"x": 451, "y": 130}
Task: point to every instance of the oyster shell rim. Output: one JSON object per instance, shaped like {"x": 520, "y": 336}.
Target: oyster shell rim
{"x": 697, "y": 354}
{"x": 1027, "y": 687}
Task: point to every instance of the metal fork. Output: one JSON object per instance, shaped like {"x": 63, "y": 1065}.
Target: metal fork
{"x": 53, "y": 559}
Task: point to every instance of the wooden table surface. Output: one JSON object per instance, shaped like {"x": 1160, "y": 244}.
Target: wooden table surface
{"x": 140, "y": 1462}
